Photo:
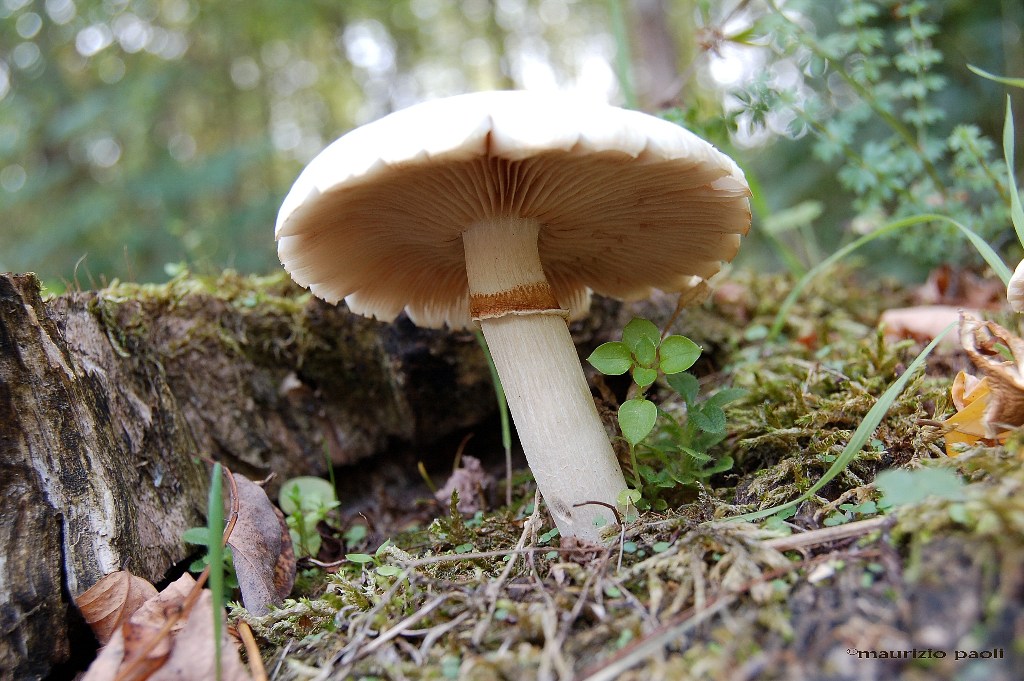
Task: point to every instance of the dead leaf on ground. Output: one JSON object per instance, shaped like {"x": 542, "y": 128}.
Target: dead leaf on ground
{"x": 471, "y": 481}
{"x": 960, "y": 288}
{"x": 921, "y": 323}
{"x": 263, "y": 556}
{"x": 988, "y": 408}
{"x": 984, "y": 343}
{"x": 193, "y": 656}
{"x": 130, "y": 641}
{"x": 185, "y": 652}
{"x": 112, "y": 600}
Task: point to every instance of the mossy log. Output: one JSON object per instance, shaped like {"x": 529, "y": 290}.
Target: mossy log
{"x": 111, "y": 399}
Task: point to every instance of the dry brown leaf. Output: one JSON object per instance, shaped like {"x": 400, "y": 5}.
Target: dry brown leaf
{"x": 921, "y": 323}
{"x": 471, "y": 481}
{"x": 131, "y": 640}
{"x": 110, "y": 601}
{"x": 193, "y": 656}
{"x": 147, "y": 622}
{"x": 185, "y": 652}
{"x": 262, "y": 549}
{"x": 961, "y": 288}
{"x": 981, "y": 340}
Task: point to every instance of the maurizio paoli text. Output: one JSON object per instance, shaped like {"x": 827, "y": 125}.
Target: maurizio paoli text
{"x": 926, "y": 654}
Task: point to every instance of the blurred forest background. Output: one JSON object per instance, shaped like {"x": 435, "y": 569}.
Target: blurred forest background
{"x": 138, "y": 137}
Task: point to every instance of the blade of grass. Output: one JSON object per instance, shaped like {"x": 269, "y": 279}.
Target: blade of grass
{"x": 215, "y": 522}
{"x": 1015, "y": 82}
{"x": 860, "y": 436}
{"x": 991, "y": 258}
{"x": 1016, "y": 211}
{"x": 623, "y": 52}
{"x": 506, "y": 429}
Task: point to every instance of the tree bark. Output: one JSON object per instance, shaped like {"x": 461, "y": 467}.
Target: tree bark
{"x": 109, "y": 398}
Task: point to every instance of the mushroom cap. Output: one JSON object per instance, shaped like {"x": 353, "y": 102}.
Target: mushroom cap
{"x": 626, "y": 203}
{"x": 1015, "y": 289}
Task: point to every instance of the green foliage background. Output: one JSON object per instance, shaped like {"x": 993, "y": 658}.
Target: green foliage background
{"x": 138, "y": 133}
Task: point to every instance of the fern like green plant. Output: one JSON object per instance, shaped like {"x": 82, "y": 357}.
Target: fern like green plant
{"x": 869, "y": 96}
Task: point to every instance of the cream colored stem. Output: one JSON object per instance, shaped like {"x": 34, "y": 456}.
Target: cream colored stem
{"x": 558, "y": 425}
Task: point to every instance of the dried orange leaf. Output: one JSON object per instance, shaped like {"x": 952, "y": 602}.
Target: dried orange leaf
{"x": 110, "y": 601}
{"x": 983, "y": 342}
{"x": 971, "y": 419}
{"x": 964, "y": 389}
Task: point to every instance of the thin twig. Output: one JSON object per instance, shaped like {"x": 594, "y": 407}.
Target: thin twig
{"x": 456, "y": 557}
{"x": 252, "y": 651}
{"x": 615, "y": 511}
{"x": 825, "y": 535}
{"x": 280, "y": 660}
{"x": 551, "y": 654}
{"x": 437, "y": 632}
{"x": 656, "y": 641}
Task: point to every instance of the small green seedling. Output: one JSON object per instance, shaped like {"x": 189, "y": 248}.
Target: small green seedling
{"x": 199, "y": 536}
{"x": 306, "y": 501}
{"x": 677, "y": 455}
{"x": 375, "y": 561}
{"x": 850, "y": 512}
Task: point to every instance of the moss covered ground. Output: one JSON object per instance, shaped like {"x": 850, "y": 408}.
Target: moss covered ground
{"x": 846, "y": 586}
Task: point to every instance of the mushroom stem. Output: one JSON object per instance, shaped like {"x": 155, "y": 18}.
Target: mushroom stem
{"x": 562, "y": 435}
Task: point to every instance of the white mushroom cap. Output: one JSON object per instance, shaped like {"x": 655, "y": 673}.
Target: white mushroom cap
{"x": 627, "y": 203}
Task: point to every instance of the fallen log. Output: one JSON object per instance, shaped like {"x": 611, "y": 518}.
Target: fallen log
{"x": 110, "y": 399}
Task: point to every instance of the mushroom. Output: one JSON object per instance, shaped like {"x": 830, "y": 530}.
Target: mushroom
{"x": 1015, "y": 289}
{"x": 507, "y": 209}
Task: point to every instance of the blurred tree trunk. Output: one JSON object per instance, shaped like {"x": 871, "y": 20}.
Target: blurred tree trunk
{"x": 656, "y": 54}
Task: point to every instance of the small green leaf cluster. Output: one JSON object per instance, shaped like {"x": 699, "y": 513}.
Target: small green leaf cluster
{"x": 306, "y": 501}
{"x": 902, "y": 487}
{"x": 376, "y": 561}
{"x": 850, "y": 511}
{"x": 455, "y": 530}
{"x": 200, "y": 536}
{"x": 677, "y": 453}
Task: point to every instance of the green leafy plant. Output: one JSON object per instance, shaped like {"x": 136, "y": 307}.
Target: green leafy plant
{"x": 869, "y": 98}
{"x": 901, "y": 487}
{"x": 200, "y": 536}
{"x": 376, "y": 561}
{"x": 305, "y": 502}
{"x": 850, "y": 511}
{"x": 676, "y": 454}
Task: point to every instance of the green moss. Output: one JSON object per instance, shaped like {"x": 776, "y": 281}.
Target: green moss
{"x": 448, "y": 604}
